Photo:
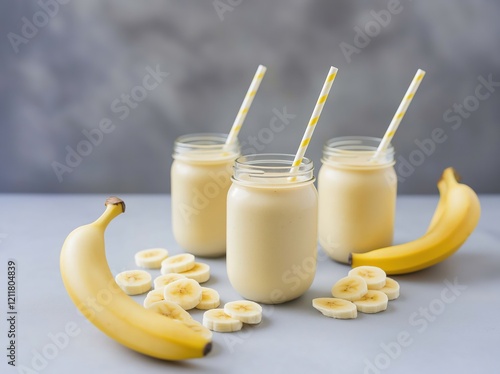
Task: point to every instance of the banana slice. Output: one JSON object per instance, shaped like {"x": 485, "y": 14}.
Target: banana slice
{"x": 200, "y": 272}
{"x": 244, "y": 310}
{"x": 150, "y": 258}
{"x": 177, "y": 263}
{"x": 184, "y": 292}
{"x": 373, "y": 302}
{"x": 218, "y": 320}
{"x": 162, "y": 280}
{"x": 210, "y": 299}
{"x": 350, "y": 288}
{"x": 374, "y": 276}
{"x": 134, "y": 282}
{"x": 170, "y": 310}
{"x": 335, "y": 308}
{"x": 153, "y": 297}
{"x": 391, "y": 288}
{"x": 199, "y": 328}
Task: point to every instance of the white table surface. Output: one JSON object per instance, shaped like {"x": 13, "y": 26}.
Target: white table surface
{"x": 461, "y": 336}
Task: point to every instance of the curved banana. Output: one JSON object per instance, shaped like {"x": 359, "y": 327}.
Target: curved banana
{"x": 456, "y": 216}
{"x": 91, "y": 286}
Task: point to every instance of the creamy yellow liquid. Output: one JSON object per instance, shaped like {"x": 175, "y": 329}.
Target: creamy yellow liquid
{"x": 272, "y": 239}
{"x": 356, "y": 208}
{"x": 199, "y": 190}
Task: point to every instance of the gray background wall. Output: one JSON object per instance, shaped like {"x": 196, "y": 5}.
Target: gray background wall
{"x": 64, "y": 80}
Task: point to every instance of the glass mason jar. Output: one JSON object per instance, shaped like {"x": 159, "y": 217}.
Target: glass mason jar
{"x": 200, "y": 178}
{"x": 357, "y": 197}
{"x": 272, "y": 228}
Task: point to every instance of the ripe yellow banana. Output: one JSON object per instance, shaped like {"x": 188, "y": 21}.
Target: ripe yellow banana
{"x": 91, "y": 286}
{"x": 456, "y": 216}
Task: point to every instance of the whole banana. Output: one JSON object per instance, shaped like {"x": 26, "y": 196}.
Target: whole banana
{"x": 91, "y": 286}
{"x": 456, "y": 216}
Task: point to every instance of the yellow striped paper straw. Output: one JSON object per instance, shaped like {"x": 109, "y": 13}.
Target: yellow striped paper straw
{"x": 396, "y": 120}
{"x": 314, "y": 119}
{"x": 245, "y": 106}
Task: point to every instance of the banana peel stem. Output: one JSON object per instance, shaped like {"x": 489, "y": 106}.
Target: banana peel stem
{"x": 450, "y": 175}
{"x": 114, "y": 207}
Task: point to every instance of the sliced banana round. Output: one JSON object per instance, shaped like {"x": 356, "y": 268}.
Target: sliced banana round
{"x": 373, "y": 302}
{"x": 391, "y": 288}
{"x": 162, "y": 280}
{"x": 218, "y": 320}
{"x": 335, "y": 308}
{"x": 150, "y": 258}
{"x": 374, "y": 276}
{"x": 244, "y": 310}
{"x": 170, "y": 310}
{"x": 210, "y": 299}
{"x": 134, "y": 282}
{"x": 153, "y": 297}
{"x": 177, "y": 263}
{"x": 200, "y": 272}
{"x": 350, "y": 288}
{"x": 184, "y": 292}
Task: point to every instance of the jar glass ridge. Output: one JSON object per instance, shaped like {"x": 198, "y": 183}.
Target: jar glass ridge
{"x": 356, "y": 151}
{"x": 204, "y": 146}
{"x": 269, "y": 168}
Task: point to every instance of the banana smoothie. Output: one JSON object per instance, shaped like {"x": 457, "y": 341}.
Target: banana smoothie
{"x": 271, "y": 228}
{"x": 357, "y": 197}
{"x": 200, "y": 178}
